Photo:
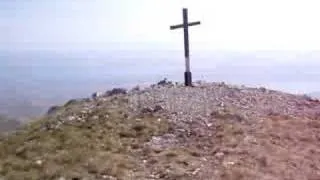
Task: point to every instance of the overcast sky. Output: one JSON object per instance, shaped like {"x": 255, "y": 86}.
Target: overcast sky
{"x": 236, "y": 25}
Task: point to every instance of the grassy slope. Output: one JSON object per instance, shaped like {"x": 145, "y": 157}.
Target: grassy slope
{"x": 106, "y": 143}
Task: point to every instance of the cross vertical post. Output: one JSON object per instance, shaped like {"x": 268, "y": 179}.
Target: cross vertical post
{"x": 187, "y": 73}
{"x": 185, "y": 26}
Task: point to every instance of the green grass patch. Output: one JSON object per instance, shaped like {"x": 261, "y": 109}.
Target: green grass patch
{"x": 100, "y": 146}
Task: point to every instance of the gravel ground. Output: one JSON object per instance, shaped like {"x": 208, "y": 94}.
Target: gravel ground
{"x": 204, "y": 98}
{"x": 242, "y": 132}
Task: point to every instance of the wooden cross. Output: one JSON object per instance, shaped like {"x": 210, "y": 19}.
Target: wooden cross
{"x": 185, "y": 26}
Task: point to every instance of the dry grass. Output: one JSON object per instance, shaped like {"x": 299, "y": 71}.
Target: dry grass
{"x": 108, "y": 142}
{"x": 105, "y": 146}
{"x": 172, "y": 163}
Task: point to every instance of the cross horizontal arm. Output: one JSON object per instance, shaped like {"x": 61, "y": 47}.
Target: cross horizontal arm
{"x": 181, "y": 25}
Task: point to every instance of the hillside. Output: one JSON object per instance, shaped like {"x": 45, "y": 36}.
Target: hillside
{"x": 168, "y": 131}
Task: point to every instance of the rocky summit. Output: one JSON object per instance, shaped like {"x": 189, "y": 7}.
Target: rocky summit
{"x": 212, "y": 131}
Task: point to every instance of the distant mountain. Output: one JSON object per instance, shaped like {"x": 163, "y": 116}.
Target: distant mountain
{"x": 8, "y": 124}
{"x": 315, "y": 94}
{"x": 19, "y": 108}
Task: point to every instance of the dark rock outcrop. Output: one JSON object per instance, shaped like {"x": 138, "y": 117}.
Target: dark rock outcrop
{"x": 116, "y": 91}
{"x": 53, "y": 109}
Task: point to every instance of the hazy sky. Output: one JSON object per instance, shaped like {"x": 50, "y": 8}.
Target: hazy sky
{"x": 287, "y": 31}
{"x": 240, "y": 25}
